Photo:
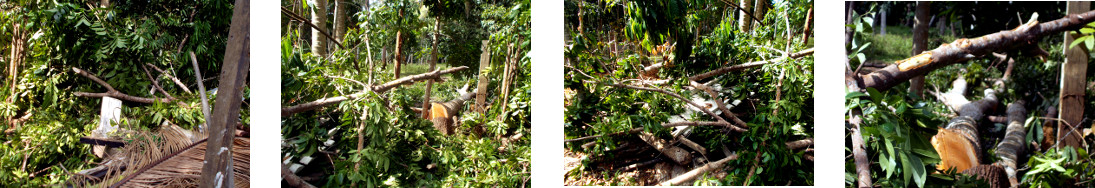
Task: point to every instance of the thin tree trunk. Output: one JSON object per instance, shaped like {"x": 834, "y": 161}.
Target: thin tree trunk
{"x": 761, "y": 9}
{"x": 433, "y": 65}
{"x": 319, "y": 18}
{"x": 398, "y": 51}
{"x": 17, "y": 50}
{"x": 217, "y": 170}
{"x": 920, "y": 43}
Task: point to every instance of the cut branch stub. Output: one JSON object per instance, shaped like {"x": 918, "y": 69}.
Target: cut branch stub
{"x": 962, "y": 50}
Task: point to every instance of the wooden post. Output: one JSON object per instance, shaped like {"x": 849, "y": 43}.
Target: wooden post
{"x": 1073, "y": 78}
{"x": 217, "y": 170}
{"x": 109, "y": 115}
{"x": 481, "y": 91}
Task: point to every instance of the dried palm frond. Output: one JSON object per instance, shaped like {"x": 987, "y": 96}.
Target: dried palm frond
{"x": 169, "y": 158}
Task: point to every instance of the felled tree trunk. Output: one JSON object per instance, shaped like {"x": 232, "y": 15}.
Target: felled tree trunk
{"x": 441, "y": 114}
{"x": 962, "y": 50}
{"x": 1013, "y": 146}
{"x": 958, "y": 143}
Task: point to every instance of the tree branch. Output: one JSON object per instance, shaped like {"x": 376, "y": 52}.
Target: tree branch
{"x": 964, "y": 49}
{"x": 286, "y": 111}
{"x": 111, "y": 92}
{"x": 698, "y": 171}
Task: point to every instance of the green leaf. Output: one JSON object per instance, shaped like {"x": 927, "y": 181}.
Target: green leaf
{"x": 1087, "y": 30}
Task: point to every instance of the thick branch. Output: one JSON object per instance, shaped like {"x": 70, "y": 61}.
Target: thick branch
{"x": 859, "y": 151}
{"x": 286, "y": 111}
{"x": 799, "y": 144}
{"x": 1012, "y": 147}
{"x": 691, "y": 175}
{"x": 962, "y": 50}
{"x": 675, "y": 153}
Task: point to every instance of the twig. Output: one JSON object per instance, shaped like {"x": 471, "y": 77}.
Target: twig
{"x": 173, "y": 78}
{"x": 111, "y": 92}
{"x": 156, "y": 83}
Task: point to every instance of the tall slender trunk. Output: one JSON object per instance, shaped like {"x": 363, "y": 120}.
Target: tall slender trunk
{"x": 760, "y": 10}
{"x": 17, "y": 50}
{"x": 340, "y": 18}
{"x": 920, "y": 43}
{"x": 319, "y": 18}
{"x": 433, "y": 64}
{"x": 398, "y": 51}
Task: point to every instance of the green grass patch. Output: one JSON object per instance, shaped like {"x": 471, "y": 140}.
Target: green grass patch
{"x": 419, "y": 68}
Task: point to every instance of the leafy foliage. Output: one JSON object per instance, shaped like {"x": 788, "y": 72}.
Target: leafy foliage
{"x": 399, "y": 147}
{"x": 111, "y": 42}
{"x": 706, "y": 37}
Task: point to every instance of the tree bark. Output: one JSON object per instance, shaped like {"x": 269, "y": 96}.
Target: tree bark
{"x": 1013, "y": 146}
{"x": 340, "y": 18}
{"x": 433, "y": 64}
{"x": 217, "y": 170}
{"x": 962, "y": 50}
{"x": 398, "y": 51}
{"x": 1073, "y": 83}
{"x": 319, "y": 19}
{"x": 920, "y": 42}
{"x": 743, "y": 16}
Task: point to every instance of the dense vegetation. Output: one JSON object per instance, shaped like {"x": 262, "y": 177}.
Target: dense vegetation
{"x": 898, "y": 125}
{"x": 379, "y": 139}
{"x": 44, "y": 40}
{"x": 659, "y": 45}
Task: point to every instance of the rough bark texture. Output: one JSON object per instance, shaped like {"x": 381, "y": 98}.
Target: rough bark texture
{"x": 962, "y": 50}
{"x": 217, "y": 170}
{"x": 920, "y": 42}
{"x": 398, "y": 51}
{"x": 859, "y": 151}
{"x": 1073, "y": 83}
{"x": 319, "y": 19}
{"x": 286, "y": 111}
{"x": 958, "y": 144}
{"x": 441, "y": 114}
{"x": 994, "y": 175}
{"x": 1013, "y": 146}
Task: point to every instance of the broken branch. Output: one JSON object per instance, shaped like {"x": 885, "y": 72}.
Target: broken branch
{"x": 286, "y": 111}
